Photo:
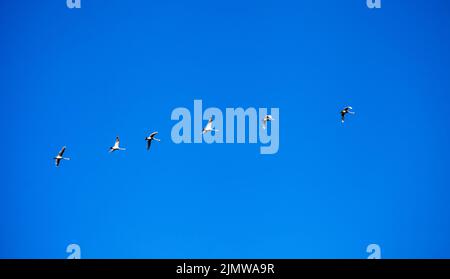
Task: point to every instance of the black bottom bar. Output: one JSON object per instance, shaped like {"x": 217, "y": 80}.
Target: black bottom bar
{"x": 226, "y": 268}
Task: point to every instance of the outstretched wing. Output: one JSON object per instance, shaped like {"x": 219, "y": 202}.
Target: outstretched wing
{"x": 149, "y": 143}
{"x": 343, "y": 115}
{"x": 57, "y": 161}
{"x": 153, "y": 134}
{"x": 61, "y": 153}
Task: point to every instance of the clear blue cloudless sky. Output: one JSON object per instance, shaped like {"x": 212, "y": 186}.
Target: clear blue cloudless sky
{"x": 80, "y": 77}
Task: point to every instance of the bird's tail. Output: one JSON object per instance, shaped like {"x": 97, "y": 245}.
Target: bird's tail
{"x": 122, "y": 149}
{"x": 67, "y": 159}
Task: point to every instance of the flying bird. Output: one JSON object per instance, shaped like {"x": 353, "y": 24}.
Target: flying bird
{"x": 209, "y": 127}
{"x": 345, "y": 111}
{"x": 266, "y": 119}
{"x": 151, "y": 138}
{"x": 60, "y": 157}
{"x": 116, "y": 146}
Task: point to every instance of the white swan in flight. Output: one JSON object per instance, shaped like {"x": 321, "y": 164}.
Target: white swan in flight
{"x": 60, "y": 157}
{"x": 209, "y": 127}
{"x": 345, "y": 111}
{"x": 151, "y": 138}
{"x": 266, "y": 119}
{"x": 116, "y": 146}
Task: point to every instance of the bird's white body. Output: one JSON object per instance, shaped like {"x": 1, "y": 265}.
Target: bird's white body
{"x": 346, "y": 110}
{"x": 266, "y": 119}
{"x": 116, "y": 146}
{"x": 209, "y": 127}
{"x": 60, "y": 157}
{"x": 151, "y": 138}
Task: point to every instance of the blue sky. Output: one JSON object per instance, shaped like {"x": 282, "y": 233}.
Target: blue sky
{"x": 81, "y": 77}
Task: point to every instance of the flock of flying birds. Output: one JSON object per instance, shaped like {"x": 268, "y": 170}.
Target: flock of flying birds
{"x": 113, "y": 148}
{"x": 208, "y": 128}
